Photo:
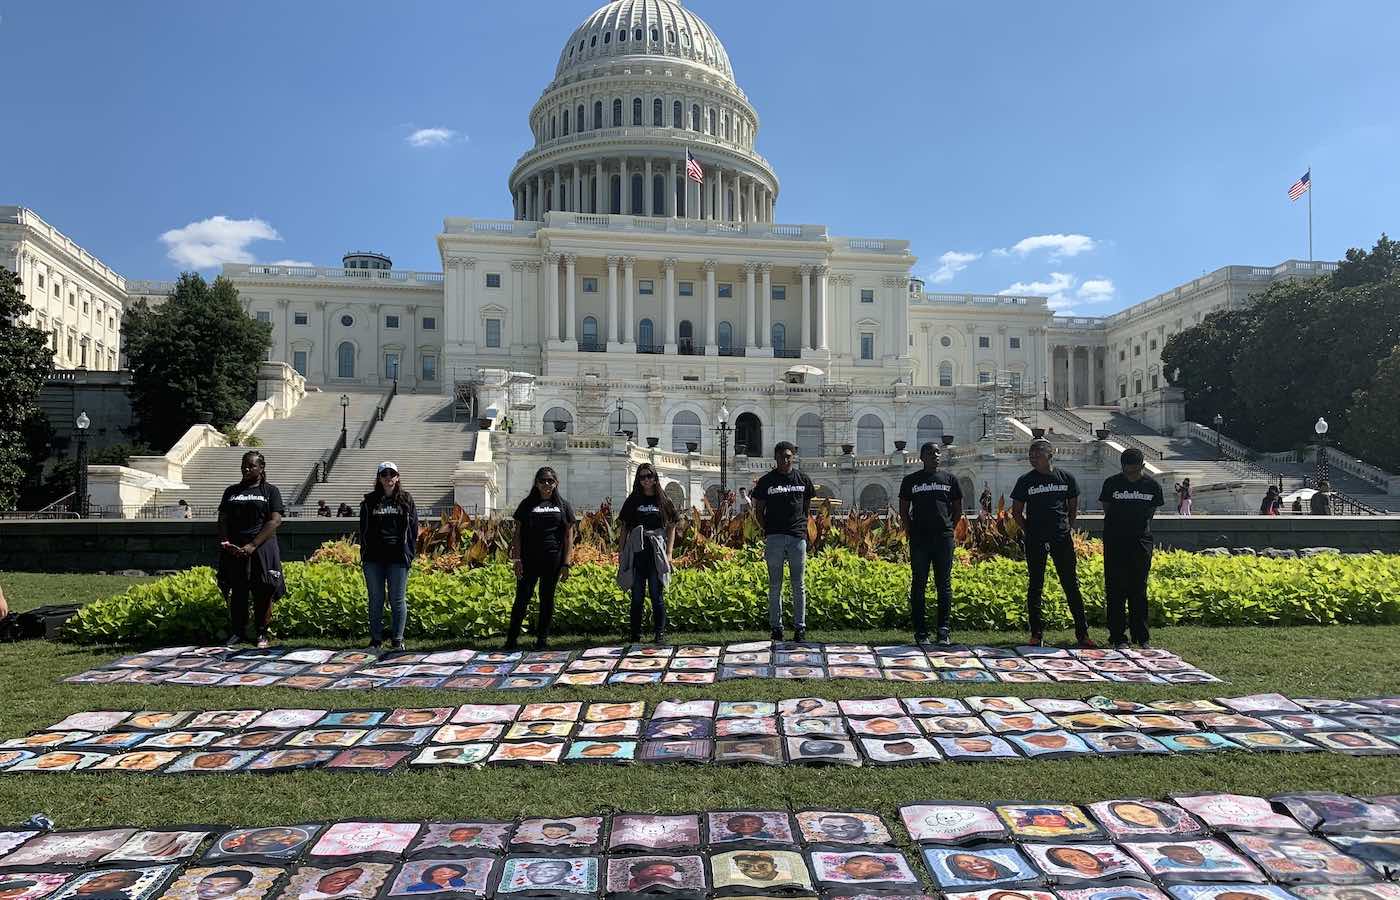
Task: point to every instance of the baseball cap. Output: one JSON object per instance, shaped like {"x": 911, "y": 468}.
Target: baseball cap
{"x": 387, "y": 466}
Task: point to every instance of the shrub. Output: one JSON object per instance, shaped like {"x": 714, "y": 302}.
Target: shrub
{"x": 326, "y": 598}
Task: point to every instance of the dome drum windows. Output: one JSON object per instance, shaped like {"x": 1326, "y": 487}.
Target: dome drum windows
{"x": 636, "y": 110}
{"x": 657, "y": 112}
{"x": 617, "y": 113}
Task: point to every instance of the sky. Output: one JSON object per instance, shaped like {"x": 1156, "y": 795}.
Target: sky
{"x": 1094, "y": 152}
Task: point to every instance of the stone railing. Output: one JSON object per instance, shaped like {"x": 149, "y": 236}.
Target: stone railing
{"x": 148, "y": 288}
{"x": 329, "y": 273}
{"x": 1078, "y": 323}
{"x": 27, "y": 218}
{"x": 918, "y": 297}
{"x": 1237, "y": 273}
{"x": 1363, "y": 471}
{"x": 512, "y": 227}
{"x": 670, "y": 136}
{"x": 172, "y": 464}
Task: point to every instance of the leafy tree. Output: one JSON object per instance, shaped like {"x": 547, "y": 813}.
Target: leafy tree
{"x": 63, "y": 477}
{"x": 25, "y": 361}
{"x": 1361, "y": 267}
{"x": 1201, "y": 361}
{"x": 1374, "y": 429}
{"x": 196, "y": 353}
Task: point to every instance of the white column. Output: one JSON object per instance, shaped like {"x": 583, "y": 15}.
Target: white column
{"x": 610, "y": 328}
{"x": 711, "y": 324}
{"x": 1069, "y": 395}
{"x": 556, "y": 198}
{"x": 628, "y": 309}
{"x": 806, "y": 273}
{"x": 902, "y": 316}
{"x": 648, "y": 194}
{"x": 670, "y": 339}
{"x": 551, "y": 293}
{"x": 720, "y": 211}
{"x": 576, "y": 192}
{"x": 822, "y": 307}
{"x": 468, "y": 329}
{"x": 750, "y": 335}
{"x": 748, "y": 206}
{"x": 765, "y": 306}
{"x": 670, "y": 193}
{"x": 598, "y": 186}
{"x": 539, "y": 197}
{"x": 570, "y": 310}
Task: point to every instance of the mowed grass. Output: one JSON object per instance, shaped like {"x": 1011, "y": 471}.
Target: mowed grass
{"x": 28, "y": 590}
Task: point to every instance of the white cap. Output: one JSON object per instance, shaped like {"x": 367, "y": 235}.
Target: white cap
{"x": 387, "y": 465}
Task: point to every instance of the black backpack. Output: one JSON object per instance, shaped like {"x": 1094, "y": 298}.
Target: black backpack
{"x": 44, "y": 622}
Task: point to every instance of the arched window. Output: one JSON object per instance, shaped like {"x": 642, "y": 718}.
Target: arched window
{"x": 874, "y": 498}
{"x": 779, "y": 337}
{"x": 622, "y": 34}
{"x": 637, "y": 34}
{"x": 615, "y": 194}
{"x": 578, "y": 117}
{"x": 558, "y": 414}
{"x": 726, "y": 336}
{"x": 685, "y": 428}
{"x": 644, "y": 333}
{"x": 636, "y": 110}
{"x": 345, "y": 360}
{"x": 945, "y": 374}
{"x": 809, "y": 436}
{"x": 617, "y": 113}
{"x": 607, "y": 37}
{"x": 566, "y": 123}
{"x": 870, "y": 435}
{"x": 635, "y": 195}
{"x": 686, "y": 336}
{"x": 656, "y": 118}
{"x": 589, "y": 333}
{"x": 748, "y": 434}
{"x": 597, "y": 113}
{"x": 676, "y": 114}
{"x": 676, "y": 493}
{"x": 695, "y": 117}
{"x": 712, "y": 123}
{"x": 726, "y": 125}
{"x": 553, "y": 122}
{"x": 655, "y": 35}
{"x": 930, "y": 429}
{"x": 658, "y": 195}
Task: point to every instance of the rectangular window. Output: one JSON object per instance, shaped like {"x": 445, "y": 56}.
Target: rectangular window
{"x": 984, "y": 342}
{"x": 72, "y": 299}
{"x": 391, "y": 364}
{"x": 87, "y": 306}
{"x": 725, "y": 290}
{"x": 429, "y": 323}
{"x": 41, "y": 279}
{"x": 493, "y": 279}
{"x": 867, "y": 345}
{"x": 1137, "y": 350}
{"x": 1015, "y": 343}
{"x": 1137, "y": 386}
{"x": 646, "y": 287}
{"x": 264, "y": 316}
{"x": 984, "y": 377}
{"x": 779, "y": 292}
{"x": 1152, "y": 344}
{"x": 1122, "y": 391}
{"x": 299, "y": 361}
{"x": 391, "y": 321}
{"x": 298, "y": 318}
{"x": 430, "y": 368}
{"x": 867, "y": 295}
{"x": 1154, "y": 382}
{"x": 493, "y": 332}
{"x": 687, "y": 289}
{"x": 1016, "y": 382}
{"x": 1122, "y": 355}
{"x": 56, "y": 291}
{"x": 111, "y": 323}
{"x": 590, "y": 285}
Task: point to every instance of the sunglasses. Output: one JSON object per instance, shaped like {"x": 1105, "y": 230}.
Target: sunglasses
{"x": 390, "y": 473}
{"x": 647, "y": 476}
{"x": 546, "y": 481}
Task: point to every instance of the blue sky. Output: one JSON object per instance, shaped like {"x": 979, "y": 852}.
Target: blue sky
{"x": 1099, "y": 152}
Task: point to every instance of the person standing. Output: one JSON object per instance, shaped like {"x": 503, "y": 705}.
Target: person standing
{"x": 250, "y": 561}
{"x": 1129, "y": 500}
{"x": 541, "y": 550}
{"x": 388, "y": 543}
{"x": 984, "y": 502}
{"x": 781, "y": 500}
{"x": 1272, "y": 504}
{"x": 1183, "y": 498}
{"x": 648, "y": 519}
{"x": 1045, "y": 503}
{"x": 1320, "y": 503}
{"x": 930, "y": 505}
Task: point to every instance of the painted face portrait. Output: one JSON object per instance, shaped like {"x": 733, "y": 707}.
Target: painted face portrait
{"x": 975, "y": 867}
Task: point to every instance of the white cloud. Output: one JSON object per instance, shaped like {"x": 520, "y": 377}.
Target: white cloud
{"x": 950, "y": 264}
{"x": 214, "y": 241}
{"x": 430, "y": 137}
{"x": 293, "y": 262}
{"x": 1059, "y": 245}
{"x": 1057, "y": 289}
{"x": 1097, "y": 290}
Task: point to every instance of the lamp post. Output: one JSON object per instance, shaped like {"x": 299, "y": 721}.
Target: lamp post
{"x": 1045, "y": 392}
{"x": 1320, "y": 429}
{"x": 344, "y": 411}
{"x": 1219, "y": 452}
{"x": 722, "y": 429}
{"x": 619, "y": 416}
{"x": 80, "y": 492}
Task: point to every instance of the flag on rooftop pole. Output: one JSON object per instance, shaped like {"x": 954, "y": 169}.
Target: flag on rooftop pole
{"x": 692, "y": 168}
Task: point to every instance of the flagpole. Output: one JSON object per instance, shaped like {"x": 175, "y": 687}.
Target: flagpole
{"x": 1310, "y": 193}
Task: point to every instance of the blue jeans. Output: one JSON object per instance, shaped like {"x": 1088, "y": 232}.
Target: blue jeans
{"x": 395, "y": 574}
{"x": 777, "y": 549}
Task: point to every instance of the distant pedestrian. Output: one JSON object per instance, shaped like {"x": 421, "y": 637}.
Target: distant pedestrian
{"x": 1320, "y": 503}
{"x": 742, "y": 502}
{"x": 322, "y": 509}
{"x": 343, "y": 511}
{"x": 388, "y": 543}
{"x": 1272, "y": 504}
{"x": 1297, "y": 504}
{"x": 1183, "y": 497}
{"x": 984, "y": 500}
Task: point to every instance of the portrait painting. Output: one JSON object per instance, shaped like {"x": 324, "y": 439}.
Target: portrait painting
{"x": 954, "y": 725}
{"x": 761, "y": 750}
{"x": 528, "y": 752}
{"x": 1299, "y": 858}
{"x": 551, "y": 712}
{"x": 609, "y": 712}
{"x": 656, "y": 874}
{"x": 352, "y": 718}
{"x": 1353, "y": 743}
{"x": 1329, "y": 812}
{"x": 697, "y": 650}
{"x": 369, "y": 758}
{"x": 808, "y": 707}
{"x": 1130, "y": 819}
{"x": 584, "y": 679}
{"x": 1089, "y": 721}
{"x": 137, "y": 761}
{"x": 1192, "y": 860}
{"x": 660, "y": 751}
{"x": 1082, "y": 862}
{"x": 1023, "y": 677}
{"x": 1121, "y": 743}
{"x": 1277, "y": 741}
{"x": 212, "y": 761}
{"x": 288, "y": 718}
{"x": 883, "y": 726}
{"x": 526, "y": 682}
{"x": 822, "y": 750}
{"x": 1157, "y": 723}
{"x": 457, "y": 838}
{"x": 10, "y": 757}
{"x": 728, "y": 672}
{"x": 549, "y": 875}
{"x": 591, "y": 665}
{"x": 887, "y": 706}
{"x": 1236, "y": 812}
{"x": 602, "y": 751}
{"x": 1049, "y": 743}
{"x": 1374, "y": 890}
{"x": 762, "y": 827}
{"x": 231, "y": 882}
{"x": 31, "y": 885}
{"x": 979, "y": 747}
{"x": 361, "y": 838}
{"x": 117, "y": 884}
{"x": 1056, "y": 821}
{"x": 998, "y": 705}
{"x": 644, "y": 832}
{"x": 982, "y": 676}
{"x": 538, "y": 730}
{"x": 327, "y": 737}
{"x": 574, "y": 833}
{"x": 729, "y": 709}
{"x": 454, "y": 878}
{"x": 900, "y": 750}
{"x": 738, "y": 871}
{"x": 984, "y": 866}
{"x": 252, "y": 740}
{"x": 290, "y": 760}
{"x": 352, "y": 881}
{"x": 157, "y": 847}
{"x": 91, "y": 721}
{"x": 46, "y": 739}
{"x": 1382, "y": 851}
{"x": 1135, "y": 890}
{"x": 863, "y": 672}
{"x": 912, "y": 675}
{"x": 688, "y": 678}
{"x": 613, "y": 728}
{"x": 485, "y": 713}
{"x": 68, "y": 848}
{"x": 1197, "y": 742}
{"x": 864, "y": 868}
{"x": 951, "y": 823}
{"x": 842, "y": 827}
{"x": 1005, "y": 723}
{"x": 1228, "y": 892}
{"x": 934, "y": 706}
{"x": 1024, "y": 893}
{"x": 697, "y": 664}
{"x": 278, "y": 843}
{"x": 1261, "y": 703}
{"x": 228, "y": 719}
{"x": 766, "y": 725}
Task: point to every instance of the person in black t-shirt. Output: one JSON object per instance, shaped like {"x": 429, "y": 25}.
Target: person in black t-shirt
{"x": 250, "y": 561}
{"x": 930, "y": 505}
{"x": 781, "y": 500}
{"x": 647, "y": 535}
{"x": 1045, "y": 505}
{"x": 1129, "y": 501}
{"x": 388, "y": 543}
{"x": 541, "y": 550}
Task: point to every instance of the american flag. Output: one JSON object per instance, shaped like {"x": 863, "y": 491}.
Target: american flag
{"x": 693, "y": 170}
{"x": 1300, "y": 187}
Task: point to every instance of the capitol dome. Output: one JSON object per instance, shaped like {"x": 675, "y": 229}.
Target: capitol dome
{"x": 638, "y": 85}
{"x": 644, "y": 28}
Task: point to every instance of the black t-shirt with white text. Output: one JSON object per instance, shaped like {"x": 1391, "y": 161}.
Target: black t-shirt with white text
{"x": 785, "y": 500}
{"x": 246, "y": 509}
{"x": 647, "y": 514}
{"x": 542, "y": 526}
{"x": 931, "y": 497}
{"x": 1047, "y": 499}
{"x": 1128, "y": 507}
{"x": 385, "y": 528}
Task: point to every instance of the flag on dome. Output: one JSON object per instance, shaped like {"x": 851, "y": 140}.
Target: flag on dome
{"x": 1300, "y": 187}
{"x": 692, "y": 168}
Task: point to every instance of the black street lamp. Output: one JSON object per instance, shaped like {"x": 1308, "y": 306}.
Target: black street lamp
{"x": 1219, "y": 452}
{"x": 1045, "y": 392}
{"x": 1320, "y": 429}
{"x": 619, "y": 416}
{"x": 723, "y": 429}
{"x": 80, "y": 492}
{"x": 344, "y": 410}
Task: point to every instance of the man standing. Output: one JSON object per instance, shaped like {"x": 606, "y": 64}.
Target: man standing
{"x": 781, "y": 501}
{"x": 930, "y": 505}
{"x": 1045, "y": 505}
{"x": 1129, "y": 501}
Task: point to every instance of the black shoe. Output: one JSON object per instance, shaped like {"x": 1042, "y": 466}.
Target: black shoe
{"x": 1036, "y": 640}
{"x": 635, "y": 638}
{"x": 944, "y": 637}
{"x": 799, "y": 634}
{"x": 921, "y": 638}
{"x": 1144, "y": 646}
{"x": 374, "y": 646}
{"x": 1119, "y": 644}
{"x": 659, "y": 638}
{"x": 541, "y": 644}
{"x": 777, "y": 634}
{"x": 397, "y": 645}
{"x": 510, "y": 646}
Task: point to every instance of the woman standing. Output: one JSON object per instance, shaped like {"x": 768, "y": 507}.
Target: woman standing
{"x": 250, "y": 561}
{"x": 541, "y": 550}
{"x": 1183, "y": 498}
{"x": 1272, "y": 504}
{"x": 648, "y": 519}
{"x": 388, "y": 542}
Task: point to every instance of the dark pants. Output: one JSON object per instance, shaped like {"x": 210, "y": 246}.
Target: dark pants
{"x": 239, "y": 591}
{"x": 646, "y": 580}
{"x": 1059, "y": 548}
{"x": 1125, "y": 568}
{"x": 546, "y": 573}
{"x": 938, "y": 552}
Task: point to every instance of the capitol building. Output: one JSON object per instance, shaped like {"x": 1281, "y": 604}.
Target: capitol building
{"x": 623, "y": 296}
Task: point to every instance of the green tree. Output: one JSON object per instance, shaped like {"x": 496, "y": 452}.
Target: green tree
{"x": 196, "y": 353}
{"x": 1362, "y": 267}
{"x": 25, "y": 361}
{"x": 1201, "y": 361}
{"x": 1374, "y": 427}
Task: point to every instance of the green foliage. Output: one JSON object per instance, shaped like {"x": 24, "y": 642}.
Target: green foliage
{"x": 1375, "y": 421}
{"x": 196, "y": 353}
{"x": 25, "y": 361}
{"x": 1361, "y": 267}
{"x": 238, "y": 438}
{"x": 63, "y": 477}
{"x": 326, "y": 599}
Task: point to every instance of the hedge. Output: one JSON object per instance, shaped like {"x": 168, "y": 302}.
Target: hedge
{"x": 327, "y": 599}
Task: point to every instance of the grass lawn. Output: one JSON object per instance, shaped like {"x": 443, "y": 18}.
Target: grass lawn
{"x": 27, "y": 590}
{"x": 1341, "y": 661}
